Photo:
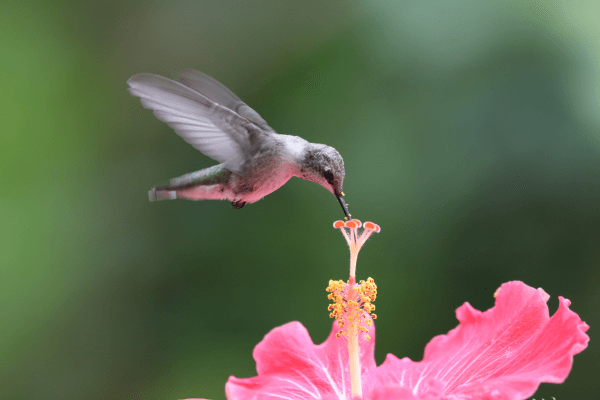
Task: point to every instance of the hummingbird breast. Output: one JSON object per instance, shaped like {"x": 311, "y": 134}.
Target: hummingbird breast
{"x": 267, "y": 172}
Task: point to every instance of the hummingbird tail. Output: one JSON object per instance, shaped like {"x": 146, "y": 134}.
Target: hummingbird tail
{"x": 155, "y": 195}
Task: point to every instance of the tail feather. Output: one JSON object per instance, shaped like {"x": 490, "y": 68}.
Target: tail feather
{"x": 155, "y": 195}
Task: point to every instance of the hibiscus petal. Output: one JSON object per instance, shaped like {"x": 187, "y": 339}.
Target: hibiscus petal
{"x": 290, "y": 366}
{"x": 503, "y": 353}
{"x": 397, "y": 393}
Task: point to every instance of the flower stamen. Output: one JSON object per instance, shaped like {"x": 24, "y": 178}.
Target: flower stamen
{"x": 352, "y": 306}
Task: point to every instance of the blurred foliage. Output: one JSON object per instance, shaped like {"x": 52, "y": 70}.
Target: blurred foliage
{"x": 470, "y": 133}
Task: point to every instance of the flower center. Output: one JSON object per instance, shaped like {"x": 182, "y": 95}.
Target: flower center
{"x": 352, "y": 302}
{"x": 352, "y": 306}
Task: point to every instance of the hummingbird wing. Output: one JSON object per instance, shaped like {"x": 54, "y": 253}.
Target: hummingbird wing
{"x": 214, "y": 129}
{"x": 218, "y": 93}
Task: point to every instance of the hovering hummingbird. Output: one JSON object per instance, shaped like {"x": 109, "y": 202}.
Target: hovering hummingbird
{"x": 255, "y": 160}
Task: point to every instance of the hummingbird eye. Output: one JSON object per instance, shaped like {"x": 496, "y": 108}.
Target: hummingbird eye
{"x": 329, "y": 176}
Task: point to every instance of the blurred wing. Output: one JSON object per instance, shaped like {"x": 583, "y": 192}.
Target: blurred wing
{"x": 216, "y": 131}
{"x": 218, "y": 93}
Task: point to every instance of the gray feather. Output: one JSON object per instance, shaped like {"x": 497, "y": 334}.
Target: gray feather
{"x": 218, "y": 93}
{"x": 216, "y": 131}
{"x": 155, "y": 195}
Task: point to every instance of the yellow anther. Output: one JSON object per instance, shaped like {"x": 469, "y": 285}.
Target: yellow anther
{"x": 351, "y": 305}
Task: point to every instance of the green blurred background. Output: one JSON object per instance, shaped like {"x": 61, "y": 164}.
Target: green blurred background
{"x": 470, "y": 132}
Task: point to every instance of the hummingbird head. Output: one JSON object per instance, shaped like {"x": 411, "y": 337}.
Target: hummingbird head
{"x": 324, "y": 165}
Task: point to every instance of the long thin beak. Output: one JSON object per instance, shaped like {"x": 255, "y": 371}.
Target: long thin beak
{"x": 344, "y": 206}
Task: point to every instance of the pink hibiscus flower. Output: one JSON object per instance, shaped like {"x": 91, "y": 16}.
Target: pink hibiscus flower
{"x": 502, "y": 353}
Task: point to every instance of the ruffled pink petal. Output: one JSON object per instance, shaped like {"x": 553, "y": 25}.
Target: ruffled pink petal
{"x": 290, "y": 366}
{"x": 391, "y": 393}
{"x": 397, "y": 393}
{"x": 503, "y": 353}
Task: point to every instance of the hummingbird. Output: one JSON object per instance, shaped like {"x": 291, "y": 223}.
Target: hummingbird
{"x": 254, "y": 159}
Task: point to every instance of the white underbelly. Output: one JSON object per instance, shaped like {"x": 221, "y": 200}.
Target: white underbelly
{"x": 267, "y": 187}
